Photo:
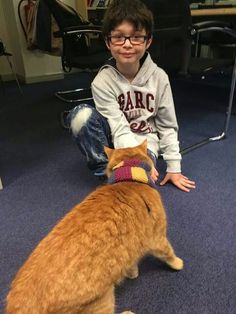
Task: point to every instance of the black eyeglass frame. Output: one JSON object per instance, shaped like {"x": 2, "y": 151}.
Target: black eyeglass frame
{"x": 145, "y": 38}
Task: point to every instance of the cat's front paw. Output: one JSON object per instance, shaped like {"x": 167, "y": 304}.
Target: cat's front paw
{"x": 176, "y": 263}
{"x": 127, "y": 312}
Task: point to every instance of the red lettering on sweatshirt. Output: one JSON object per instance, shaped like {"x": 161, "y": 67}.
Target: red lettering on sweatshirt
{"x": 121, "y": 101}
{"x": 140, "y": 127}
{"x": 139, "y": 100}
{"x": 126, "y": 104}
{"x": 148, "y": 98}
{"x": 129, "y": 104}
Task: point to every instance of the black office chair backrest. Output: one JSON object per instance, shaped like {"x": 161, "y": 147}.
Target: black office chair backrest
{"x": 171, "y": 47}
{"x": 65, "y": 16}
{"x": 2, "y": 48}
{"x": 80, "y": 49}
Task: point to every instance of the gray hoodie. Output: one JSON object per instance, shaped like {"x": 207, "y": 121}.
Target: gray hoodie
{"x": 140, "y": 109}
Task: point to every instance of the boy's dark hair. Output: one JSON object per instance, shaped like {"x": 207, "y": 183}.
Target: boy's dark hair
{"x": 133, "y": 11}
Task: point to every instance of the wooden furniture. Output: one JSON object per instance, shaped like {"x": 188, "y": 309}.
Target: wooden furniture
{"x": 213, "y": 12}
{"x": 85, "y": 11}
{"x": 88, "y": 12}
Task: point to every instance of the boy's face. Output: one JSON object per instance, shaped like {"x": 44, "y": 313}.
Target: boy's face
{"x": 128, "y": 51}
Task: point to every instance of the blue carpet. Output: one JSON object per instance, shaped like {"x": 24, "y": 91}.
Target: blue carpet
{"x": 44, "y": 176}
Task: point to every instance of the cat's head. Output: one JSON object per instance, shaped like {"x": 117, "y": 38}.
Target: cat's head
{"x": 116, "y": 156}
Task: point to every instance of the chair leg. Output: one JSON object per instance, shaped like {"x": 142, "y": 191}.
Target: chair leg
{"x": 11, "y": 64}
{"x": 68, "y": 96}
{"x": 231, "y": 98}
{"x": 223, "y": 134}
{"x": 63, "y": 116}
{"x": 2, "y": 84}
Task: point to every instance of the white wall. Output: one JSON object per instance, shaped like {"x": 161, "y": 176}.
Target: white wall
{"x": 4, "y": 68}
{"x": 31, "y": 66}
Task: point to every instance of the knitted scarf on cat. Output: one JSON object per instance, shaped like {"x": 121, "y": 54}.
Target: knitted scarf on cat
{"x": 132, "y": 170}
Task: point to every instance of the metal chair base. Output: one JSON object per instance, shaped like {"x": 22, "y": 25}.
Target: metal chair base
{"x": 227, "y": 119}
{"x": 72, "y": 96}
{"x": 11, "y": 64}
{"x": 75, "y": 95}
{"x": 203, "y": 142}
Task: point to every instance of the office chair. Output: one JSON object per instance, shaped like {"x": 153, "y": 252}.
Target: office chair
{"x": 172, "y": 49}
{"x": 8, "y": 55}
{"x": 83, "y": 46}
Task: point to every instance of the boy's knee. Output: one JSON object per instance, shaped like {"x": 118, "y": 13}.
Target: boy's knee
{"x": 79, "y": 118}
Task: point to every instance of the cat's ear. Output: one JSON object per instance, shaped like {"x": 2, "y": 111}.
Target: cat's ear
{"x": 108, "y": 151}
{"x": 143, "y": 146}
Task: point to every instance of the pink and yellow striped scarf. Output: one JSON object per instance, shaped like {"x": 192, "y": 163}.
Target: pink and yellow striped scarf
{"x": 132, "y": 170}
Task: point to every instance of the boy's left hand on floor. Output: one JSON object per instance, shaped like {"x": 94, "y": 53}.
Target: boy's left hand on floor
{"x": 179, "y": 180}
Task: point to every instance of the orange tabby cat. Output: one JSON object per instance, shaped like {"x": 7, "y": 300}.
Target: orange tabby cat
{"x": 75, "y": 268}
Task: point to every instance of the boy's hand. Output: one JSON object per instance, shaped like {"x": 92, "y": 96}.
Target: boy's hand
{"x": 154, "y": 174}
{"x": 179, "y": 180}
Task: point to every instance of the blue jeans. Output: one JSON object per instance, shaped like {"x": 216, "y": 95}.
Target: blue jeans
{"x": 91, "y": 132}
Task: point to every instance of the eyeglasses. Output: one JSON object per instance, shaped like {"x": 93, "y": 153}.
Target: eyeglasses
{"x": 119, "y": 40}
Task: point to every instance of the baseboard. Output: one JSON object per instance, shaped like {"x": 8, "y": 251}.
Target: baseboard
{"x": 33, "y": 79}
{"x": 7, "y": 77}
{"x": 42, "y": 78}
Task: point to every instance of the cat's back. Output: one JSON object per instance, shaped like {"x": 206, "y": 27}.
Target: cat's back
{"x": 90, "y": 248}
{"x": 121, "y": 209}
{"x": 120, "y": 200}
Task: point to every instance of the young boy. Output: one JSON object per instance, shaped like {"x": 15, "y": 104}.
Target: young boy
{"x": 132, "y": 96}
